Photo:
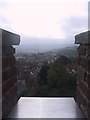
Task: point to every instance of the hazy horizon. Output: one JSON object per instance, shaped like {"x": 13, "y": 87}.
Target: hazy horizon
{"x": 45, "y": 21}
{"x": 41, "y": 47}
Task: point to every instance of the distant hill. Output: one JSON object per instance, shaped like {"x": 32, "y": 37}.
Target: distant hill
{"x": 30, "y": 48}
{"x": 68, "y": 51}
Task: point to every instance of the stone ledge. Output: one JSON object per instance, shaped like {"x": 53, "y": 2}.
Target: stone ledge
{"x": 46, "y": 108}
{"x": 83, "y": 38}
{"x": 9, "y": 38}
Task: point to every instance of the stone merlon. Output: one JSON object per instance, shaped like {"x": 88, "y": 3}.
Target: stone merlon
{"x": 83, "y": 73}
{"x": 83, "y": 38}
{"x": 9, "y": 38}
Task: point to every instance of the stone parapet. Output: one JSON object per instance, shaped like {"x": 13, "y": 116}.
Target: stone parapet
{"x": 9, "y": 38}
{"x": 83, "y": 38}
{"x": 9, "y": 70}
{"x": 83, "y": 72}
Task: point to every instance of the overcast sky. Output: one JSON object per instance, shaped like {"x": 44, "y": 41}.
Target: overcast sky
{"x": 52, "y": 19}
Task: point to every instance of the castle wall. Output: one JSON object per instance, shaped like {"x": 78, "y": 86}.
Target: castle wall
{"x": 83, "y": 73}
{"x": 9, "y": 70}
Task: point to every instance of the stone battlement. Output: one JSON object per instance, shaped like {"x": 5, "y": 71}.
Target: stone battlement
{"x": 9, "y": 70}
{"x": 83, "y": 72}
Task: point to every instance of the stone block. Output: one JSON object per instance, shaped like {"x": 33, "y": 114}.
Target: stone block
{"x": 14, "y": 78}
{"x": 0, "y": 62}
{"x": 8, "y": 50}
{"x": 9, "y": 38}
{"x": 85, "y": 62}
{"x": 0, "y": 40}
{"x": 79, "y": 60}
{"x": 83, "y": 38}
{"x": 5, "y": 62}
{"x": 13, "y": 70}
{"x": 6, "y": 86}
{"x": 85, "y": 113}
{"x": 10, "y": 104}
{"x": 88, "y": 50}
{"x": 85, "y": 91}
{"x": 9, "y": 70}
{"x": 88, "y": 80}
{"x": 4, "y": 106}
{"x": 82, "y": 50}
{"x": 83, "y": 103}
{"x": 81, "y": 73}
{"x": 6, "y": 74}
{"x": 9, "y": 84}
{"x": 12, "y": 92}
{"x": 12, "y": 60}
{"x": 88, "y": 110}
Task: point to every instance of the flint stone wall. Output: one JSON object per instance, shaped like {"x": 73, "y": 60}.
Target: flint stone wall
{"x": 9, "y": 71}
{"x": 83, "y": 72}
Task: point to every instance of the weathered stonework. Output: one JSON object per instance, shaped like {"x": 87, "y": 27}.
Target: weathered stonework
{"x": 83, "y": 38}
{"x": 9, "y": 71}
{"x": 83, "y": 73}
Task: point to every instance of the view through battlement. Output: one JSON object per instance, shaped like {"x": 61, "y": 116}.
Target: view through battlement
{"x": 33, "y": 81}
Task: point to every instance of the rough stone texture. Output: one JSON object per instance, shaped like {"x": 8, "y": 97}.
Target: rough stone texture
{"x": 82, "y": 49}
{"x": 83, "y": 73}
{"x": 0, "y": 76}
{"x": 88, "y": 50}
{"x": 9, "y": 71}
{"x": 9, "y": 38}
{"x": 85, "y": 62}
{"x": 83, "y": 38}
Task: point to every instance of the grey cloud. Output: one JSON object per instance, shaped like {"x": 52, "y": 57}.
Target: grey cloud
{"x": 27, "y": 40}
{"x": 33, "y": 40}
{"x": 3, "y": 20}
{"x": 41, "y": 44}
{"x": 75, "y": 25}
{"x": 2, "y": 3}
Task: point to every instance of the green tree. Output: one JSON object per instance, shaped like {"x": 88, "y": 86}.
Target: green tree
{"x": 42, "y": 91}
{"x": 43, "y": 74}
{"x": 55, "y": 74}
{"x": 61, "y": 81}
{"x": 63, "y": 60}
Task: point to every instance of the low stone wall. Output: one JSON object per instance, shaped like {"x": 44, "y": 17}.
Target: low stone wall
{"x": 83, "y": 72}
{"x": 9, "y": 71}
